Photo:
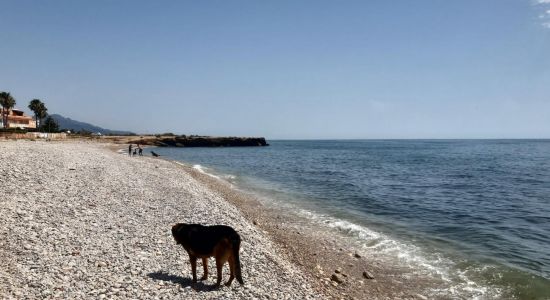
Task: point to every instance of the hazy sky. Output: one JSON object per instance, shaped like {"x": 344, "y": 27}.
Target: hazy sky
{"x": 286, "y": 69}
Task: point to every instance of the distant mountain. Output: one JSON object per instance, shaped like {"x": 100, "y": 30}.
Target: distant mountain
{"x": 70, "y": 124}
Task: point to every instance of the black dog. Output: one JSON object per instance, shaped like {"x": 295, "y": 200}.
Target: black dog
{"x": 220, "y": 241}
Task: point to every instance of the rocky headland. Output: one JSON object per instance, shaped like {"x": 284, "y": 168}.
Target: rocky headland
{"x": 200, "y": 141}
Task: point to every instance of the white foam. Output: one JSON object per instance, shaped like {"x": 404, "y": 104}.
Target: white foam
{"x": 203, "y": 171}
{"x": 229, "y": 177}
{"x": 434, "y": 264}
{"x": 199, "y": 168}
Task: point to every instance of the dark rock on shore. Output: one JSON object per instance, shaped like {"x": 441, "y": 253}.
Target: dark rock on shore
{"x": 337, "y": 278}
{"x": 200, "y": 141}
{"x": 368, "y": 275}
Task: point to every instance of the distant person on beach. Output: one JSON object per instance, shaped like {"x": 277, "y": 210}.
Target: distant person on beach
{"x": 130, "y": 150}
{"x": 140, "y": 151}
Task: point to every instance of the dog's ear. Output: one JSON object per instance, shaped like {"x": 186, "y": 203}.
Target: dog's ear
{"x": 177, "y": 228}
{"x": 176, "y": 232}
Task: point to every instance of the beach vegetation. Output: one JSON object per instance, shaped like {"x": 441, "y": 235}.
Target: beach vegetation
{"x": 84, "y": 132}
{"x": 50, "y": 125}
{"x": 121, "y": 134}
{"x": 7, "y": 101}
{"x": 14, "y": 130}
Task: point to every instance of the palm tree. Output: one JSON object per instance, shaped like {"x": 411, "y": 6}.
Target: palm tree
{"x": 3, "y": 97}
{"x": 40, "y": 111}
{"x": 7, "y": 102}
{"x": 34, "y": 106}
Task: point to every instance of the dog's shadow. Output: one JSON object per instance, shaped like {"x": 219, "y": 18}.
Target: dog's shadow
{"x": 183, "y": 281}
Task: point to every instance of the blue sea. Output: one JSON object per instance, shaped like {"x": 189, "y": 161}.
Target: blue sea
{"x": 474, "y": 212}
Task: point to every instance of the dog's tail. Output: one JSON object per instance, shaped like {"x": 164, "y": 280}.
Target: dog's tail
{"x": 236, "y": 245}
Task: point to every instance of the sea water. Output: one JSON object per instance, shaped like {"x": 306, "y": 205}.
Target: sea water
{"x": 474, "y": 212}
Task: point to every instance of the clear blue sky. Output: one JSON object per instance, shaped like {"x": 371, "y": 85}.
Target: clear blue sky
{"x": 286, "y": 69}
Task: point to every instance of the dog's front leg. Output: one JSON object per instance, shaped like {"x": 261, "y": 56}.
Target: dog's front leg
{"x": 205, "y": 267}
{"x": 193, "y": 260}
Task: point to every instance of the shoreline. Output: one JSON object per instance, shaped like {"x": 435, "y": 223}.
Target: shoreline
{"x": 320, "y": 252}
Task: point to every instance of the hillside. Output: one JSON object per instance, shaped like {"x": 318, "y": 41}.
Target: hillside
{"x": 74, "y": 125}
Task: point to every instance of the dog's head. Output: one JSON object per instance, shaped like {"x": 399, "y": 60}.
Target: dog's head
{"x": 178, "y": 232}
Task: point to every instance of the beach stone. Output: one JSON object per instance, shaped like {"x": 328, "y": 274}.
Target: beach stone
{"x": 367, "y": 275}
{"x": 101, "y": 264}
{"x": 104, "y": 231}
{"x": 337, "y": 278}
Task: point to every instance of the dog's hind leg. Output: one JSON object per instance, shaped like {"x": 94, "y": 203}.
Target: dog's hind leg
{"x": 205, "y": 267}
{"x": 193, "y": 260}
{"x": 220, "y": 261}
{"x": 231, "y": 270}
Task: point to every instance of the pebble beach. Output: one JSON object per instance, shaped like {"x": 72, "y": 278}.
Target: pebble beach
{"x": 81, "y": 221}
